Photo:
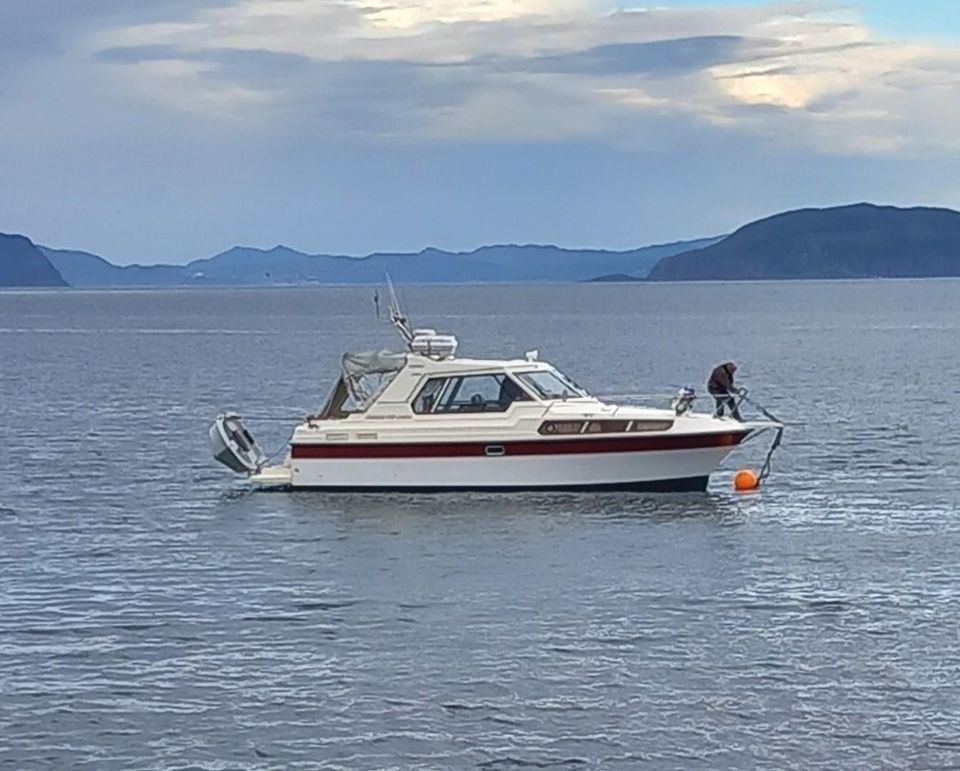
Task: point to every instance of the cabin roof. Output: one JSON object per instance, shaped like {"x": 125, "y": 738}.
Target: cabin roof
{"x": 456, "y": 364}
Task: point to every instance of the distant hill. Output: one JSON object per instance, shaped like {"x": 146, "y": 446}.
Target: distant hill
{"x": 22, "y": 264}
{"x": 83, "y": 269}
{"x": 282, "y": 265}
{"x": 858, "y": 241}
{"x": 614, "y": 278}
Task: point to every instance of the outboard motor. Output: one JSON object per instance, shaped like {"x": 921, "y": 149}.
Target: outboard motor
{"x": 234, "y": 447}
{"x": 682, "y": 403}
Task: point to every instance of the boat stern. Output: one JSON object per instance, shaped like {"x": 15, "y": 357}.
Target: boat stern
{"x": 273, "y": 478}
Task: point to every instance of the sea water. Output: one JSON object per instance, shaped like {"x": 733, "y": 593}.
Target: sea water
{"x": 156, "y": 614}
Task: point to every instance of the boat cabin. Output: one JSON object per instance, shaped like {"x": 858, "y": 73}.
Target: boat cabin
{"x": 429, "y": 380}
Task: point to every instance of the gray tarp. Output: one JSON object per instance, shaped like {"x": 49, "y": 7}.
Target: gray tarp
{"x": 366, "y": 374}
{"x": 372, "y": 363}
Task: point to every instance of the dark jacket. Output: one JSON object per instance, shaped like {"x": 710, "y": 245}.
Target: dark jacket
{"x": 721, "y": 379}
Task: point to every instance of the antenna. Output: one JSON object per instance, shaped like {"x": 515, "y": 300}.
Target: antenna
{"x": 401, "y": 322}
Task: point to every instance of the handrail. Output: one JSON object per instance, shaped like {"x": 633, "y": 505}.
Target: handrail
{"x": 768, "y": 461}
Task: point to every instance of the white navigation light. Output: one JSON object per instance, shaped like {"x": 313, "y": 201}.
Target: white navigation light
{"x": 532, "y": 355}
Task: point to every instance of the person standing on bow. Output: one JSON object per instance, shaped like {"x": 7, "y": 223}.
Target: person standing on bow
{"x": 723, "y": 390}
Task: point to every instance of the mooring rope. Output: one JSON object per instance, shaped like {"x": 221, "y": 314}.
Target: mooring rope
{"x": 768, "y": 462}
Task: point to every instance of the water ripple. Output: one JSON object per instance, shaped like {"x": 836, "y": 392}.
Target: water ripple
{"x": 155, "y": 613}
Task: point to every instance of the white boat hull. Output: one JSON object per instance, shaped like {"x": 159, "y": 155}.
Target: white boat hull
{"x": 672, "y": 470}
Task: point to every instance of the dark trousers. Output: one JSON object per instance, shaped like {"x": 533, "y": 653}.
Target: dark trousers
{"x": 726, "y": 401}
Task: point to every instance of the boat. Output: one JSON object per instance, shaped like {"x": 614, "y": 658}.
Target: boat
{"x": 426, "y": 420}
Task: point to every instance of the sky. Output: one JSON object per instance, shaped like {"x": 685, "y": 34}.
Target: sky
{"x": 169, "y": 130}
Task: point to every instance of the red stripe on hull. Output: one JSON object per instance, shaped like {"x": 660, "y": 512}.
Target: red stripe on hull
{"x": 515, "y": 449}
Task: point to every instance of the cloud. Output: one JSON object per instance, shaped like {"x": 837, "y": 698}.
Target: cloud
{"x": 527, "y": 69}
{"x": 798, "y": 73}
{"x": 658, "y": 56}
{"x": 40, "y": 27}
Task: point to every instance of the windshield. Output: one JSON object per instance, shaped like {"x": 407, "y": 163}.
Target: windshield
{"x": 551, "y": 385}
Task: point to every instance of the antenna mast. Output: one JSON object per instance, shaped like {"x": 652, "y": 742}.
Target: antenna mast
{"x": 397, "y": 318}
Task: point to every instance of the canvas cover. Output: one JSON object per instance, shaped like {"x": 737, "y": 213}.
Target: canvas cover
{"x": 367, "y": 373}
{"x": 371, "y": 363}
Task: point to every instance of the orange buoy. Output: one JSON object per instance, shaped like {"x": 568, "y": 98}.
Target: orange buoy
{"x": 746, "y": 480}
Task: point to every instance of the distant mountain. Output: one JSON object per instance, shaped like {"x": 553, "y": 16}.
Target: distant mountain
{"x": 282, "y": 265}
{"x": 22, "y": 264}
{"x": 614, "y": 278}
{"x": 858, "y": 241}
{"x": 89, "y": 270}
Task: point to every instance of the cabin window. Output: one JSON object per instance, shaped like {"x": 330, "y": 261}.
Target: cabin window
{"x": 427, "y": 398}
{"x": 550, "y": 385}
{"x": 651, "y": 425}
{"x": 469, "y": 393}
{"x": 607, "y": 426}
{"x": 557, "y": 427}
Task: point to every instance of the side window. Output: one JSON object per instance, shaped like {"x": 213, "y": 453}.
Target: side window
{"x": 470, "y": 393}
{"x": 474, "y": 393}
{"x": 511, "y": 392}
{"x": 427, "y": 398}
{"x": 550, "y": 385}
